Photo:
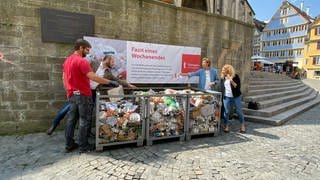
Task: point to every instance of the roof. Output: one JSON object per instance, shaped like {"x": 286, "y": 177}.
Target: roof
{"x": 303, "y": 14}
{"x": 250, "y": 7}
{"x": 298, "y": 10}
{"x": 259, "y": 24}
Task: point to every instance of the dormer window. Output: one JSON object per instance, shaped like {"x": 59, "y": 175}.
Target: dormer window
{"x": 283, "y": 20}
{"x": 284, "y": 11}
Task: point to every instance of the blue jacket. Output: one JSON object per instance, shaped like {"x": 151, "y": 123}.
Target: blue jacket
{"x": 202, "y": 77}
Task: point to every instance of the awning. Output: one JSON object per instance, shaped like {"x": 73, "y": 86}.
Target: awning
{"x": 257, "y": 57}
{"x": 263, "y": 61}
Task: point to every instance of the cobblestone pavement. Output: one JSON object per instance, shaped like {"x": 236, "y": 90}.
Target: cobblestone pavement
{"x": 290, "y": 151}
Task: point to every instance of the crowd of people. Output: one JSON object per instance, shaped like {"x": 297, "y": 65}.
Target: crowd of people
{"x": 80, "y": 83}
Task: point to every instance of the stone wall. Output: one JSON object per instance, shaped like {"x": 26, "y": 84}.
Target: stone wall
{"x": 31, "y": 90}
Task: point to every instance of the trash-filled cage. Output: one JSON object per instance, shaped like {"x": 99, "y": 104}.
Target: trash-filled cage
{"x": 153, "y": 114}
{"x": 203, "y": 113}
{"x": 166, "y": 115}
{"x": 120, "y": 119}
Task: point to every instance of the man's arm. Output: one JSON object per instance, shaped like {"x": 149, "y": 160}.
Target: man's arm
{"x": 216, "y": 78}
{"x": 64, "y": 81}
{"x": 94, "y": 77}
{"x": 108, "y": 74}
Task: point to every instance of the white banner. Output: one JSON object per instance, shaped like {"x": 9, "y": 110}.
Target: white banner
{"x": 148, "y": 63}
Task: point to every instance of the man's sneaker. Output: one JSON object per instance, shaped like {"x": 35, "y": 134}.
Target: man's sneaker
{"x": 89, "y": 148}
{"x": 71, "y": 148}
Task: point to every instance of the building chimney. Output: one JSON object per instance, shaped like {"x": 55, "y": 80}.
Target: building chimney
{"x": 308, "y": 10}
{"x": 301, "y": 5}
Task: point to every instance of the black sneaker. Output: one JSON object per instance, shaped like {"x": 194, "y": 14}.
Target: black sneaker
{"x": 73, "y": 147}
{"x": 89, "y": 148}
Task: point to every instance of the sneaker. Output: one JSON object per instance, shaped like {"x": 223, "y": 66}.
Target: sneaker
{"x": 242, "y": 129}
{"x": 89, "y": 148}
{"x": 50, "y": 130}
{"x": 73, "y": 147}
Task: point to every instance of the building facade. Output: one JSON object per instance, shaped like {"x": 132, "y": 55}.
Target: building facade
{"x": 284, "y": 35}
{"x": 257, "y": 35}
{"x": 312, "y": 51}
{"x": 31, "y": 89}
{"x": 235, "y": 9}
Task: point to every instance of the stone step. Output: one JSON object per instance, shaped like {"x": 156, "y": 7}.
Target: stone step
{"x": 274, "y": 110}
{"x": 270, "y": 78}
{"x": 276, "y": 89}
{"x": 262, "y": 97}
{"x": 276, "y": 101}
{"x": 271, "y": 82}
{"x": 267, "y": 86}
{"x": 269, "y": 75}
{"x": 284, "y": 116}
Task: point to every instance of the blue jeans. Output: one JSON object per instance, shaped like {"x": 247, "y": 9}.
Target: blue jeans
{"x": 227, "y": 102}
{"x": 61, "y": 114}
{"x": 80, "y": 108}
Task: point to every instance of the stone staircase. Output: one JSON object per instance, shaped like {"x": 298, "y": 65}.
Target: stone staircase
{"x": 280, "y": 98}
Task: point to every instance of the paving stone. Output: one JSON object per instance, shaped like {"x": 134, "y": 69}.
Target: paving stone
{"x": 290, "y": 151}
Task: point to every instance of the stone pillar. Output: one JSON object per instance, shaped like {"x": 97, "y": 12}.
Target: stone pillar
{"x": 178, "y": 3}
{"x": 210, "y": 6}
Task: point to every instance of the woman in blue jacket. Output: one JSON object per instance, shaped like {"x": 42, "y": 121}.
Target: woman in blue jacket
{"x": 208, "y": 77}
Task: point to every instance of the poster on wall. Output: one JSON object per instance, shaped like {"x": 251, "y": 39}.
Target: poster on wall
{"x": 144, "y": 63}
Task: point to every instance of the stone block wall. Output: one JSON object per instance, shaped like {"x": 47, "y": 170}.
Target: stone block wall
{"x": 31, "y": 90}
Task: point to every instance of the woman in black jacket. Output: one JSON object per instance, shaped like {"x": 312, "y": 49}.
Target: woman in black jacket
{"x": 230, "y": 88}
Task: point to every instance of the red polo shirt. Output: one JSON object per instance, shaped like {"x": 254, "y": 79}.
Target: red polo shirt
{"x": 75, "y": 69}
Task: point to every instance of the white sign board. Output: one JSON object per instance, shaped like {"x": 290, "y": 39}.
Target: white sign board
{"x": 146, "y": 62}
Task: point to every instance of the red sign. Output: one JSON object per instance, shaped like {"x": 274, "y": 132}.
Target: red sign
{"x": 190, "y": 63}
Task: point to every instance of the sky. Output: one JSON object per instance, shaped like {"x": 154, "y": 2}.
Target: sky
{"x": 265, "y": 9}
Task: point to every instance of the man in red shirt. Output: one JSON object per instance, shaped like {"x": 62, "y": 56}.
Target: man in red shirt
{"x": 77, "y": 74}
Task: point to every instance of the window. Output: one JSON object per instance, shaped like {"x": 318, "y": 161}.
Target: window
{"x": 299, "y": 52}
{"x": 290, "y": 52}
{"x": 286, "y": 20}
{"x": 317, "y": 31}
{"x": 318, "y": 45}
{"x": 284, "y": 11}
{"x": 306, "y": 61}
{"x": 316, "y": 60}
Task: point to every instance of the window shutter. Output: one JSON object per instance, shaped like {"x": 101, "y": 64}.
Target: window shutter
{"x": 315, "y": 31}
{"x": 314, "y": 61}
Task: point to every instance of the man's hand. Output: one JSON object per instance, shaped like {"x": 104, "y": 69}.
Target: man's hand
{"x": 114, "y": 83}
{"x": 132, "y": 86}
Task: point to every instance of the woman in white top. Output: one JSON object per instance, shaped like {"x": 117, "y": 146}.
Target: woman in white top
{"x": 230, "y": 88}
{"x": 208, "y": 77}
